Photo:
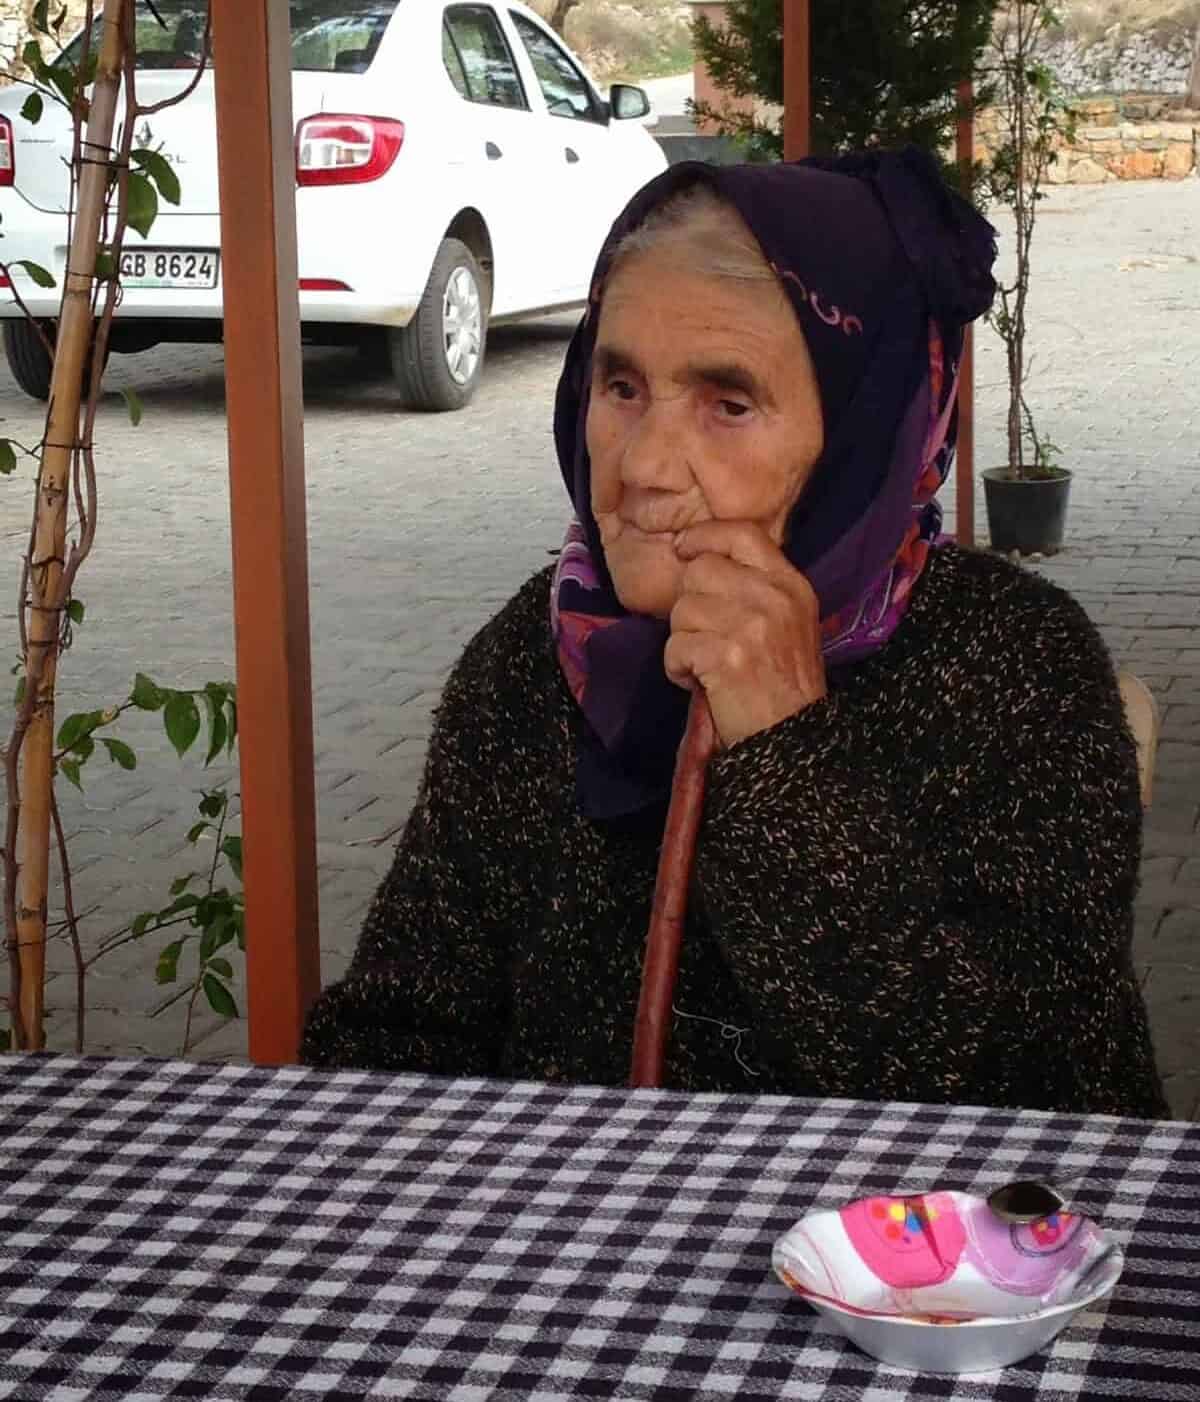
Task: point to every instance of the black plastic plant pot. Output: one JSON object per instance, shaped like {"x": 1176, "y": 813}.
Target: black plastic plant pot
{"x": 1026, "y": 514}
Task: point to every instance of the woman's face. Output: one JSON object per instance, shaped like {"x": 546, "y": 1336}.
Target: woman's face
{"x": 704, "y": 406}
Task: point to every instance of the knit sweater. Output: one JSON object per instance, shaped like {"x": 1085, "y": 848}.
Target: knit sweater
{"x": 919, "y": 888}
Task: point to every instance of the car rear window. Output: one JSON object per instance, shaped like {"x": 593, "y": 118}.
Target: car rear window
{"x": 328, "y": 36}
{"x": 338, "y": 36}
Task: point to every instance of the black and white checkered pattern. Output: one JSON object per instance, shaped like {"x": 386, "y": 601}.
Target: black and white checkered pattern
{"x": 170, "y": 1230}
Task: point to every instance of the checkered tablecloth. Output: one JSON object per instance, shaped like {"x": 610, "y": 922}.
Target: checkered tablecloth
{"x": 170, "y": 1230}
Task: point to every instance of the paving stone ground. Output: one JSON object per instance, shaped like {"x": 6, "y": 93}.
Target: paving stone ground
{"x": 420, "y": 527}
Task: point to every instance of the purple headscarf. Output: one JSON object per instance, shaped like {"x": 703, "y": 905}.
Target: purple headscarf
{"x": 884, "y": 266}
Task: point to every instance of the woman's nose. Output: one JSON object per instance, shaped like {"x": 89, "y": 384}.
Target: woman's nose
{"x": 656, "y": 450}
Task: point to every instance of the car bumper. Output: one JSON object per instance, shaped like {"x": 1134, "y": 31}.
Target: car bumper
{"x": 40, "y": 237}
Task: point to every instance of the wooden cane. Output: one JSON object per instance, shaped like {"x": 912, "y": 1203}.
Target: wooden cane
{"x": 675, "y": 863}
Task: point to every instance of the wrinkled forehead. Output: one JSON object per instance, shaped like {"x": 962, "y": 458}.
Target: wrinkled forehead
{"x": 667, "y": 319}
{"x": 823, "y": 236}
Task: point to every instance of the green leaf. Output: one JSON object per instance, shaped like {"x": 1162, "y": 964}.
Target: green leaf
{"x": 232, "y": 848}
{"x": 75, "y": 726}
{"x": 147, "y": 696}
{"x": 181, "y": 883}
{"x": 222, "y": 967}
{"x": 134, "y": 405}
{"x": 106, "y": 267}
{"x": 217, "y": 736}
{"x": 120, "y": 753}
{"x": 31, "y": 57}
{"x": 33, "y": 107}
{"x": 158, "y": 168}
{"x": 40, "y": 18}
{"x": 167, "y": 968}
{"x": 143, "y": 204}
{"x": 76, "y": 610}
{"x": 35, "y": 270}
{"x": 143, "y": 922}
{"x": 20, "y": 695}
{"x": 63, "y": 78}
{"x": 219, "y": 997}
{"x": 212, "y": 805}
{"x": 8, "y": 457}
{"x": 182, "y": 721}
{"x": 233, "y": 725}
{"x": 196, "y": 832}
{"x": 218, "y": 934}
{"x": 69, "y": 768}
{"x": 83, "y": 749}
{"x": 60, "y": 21}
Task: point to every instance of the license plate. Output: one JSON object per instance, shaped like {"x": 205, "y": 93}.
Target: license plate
{"x": 169, "y": 267}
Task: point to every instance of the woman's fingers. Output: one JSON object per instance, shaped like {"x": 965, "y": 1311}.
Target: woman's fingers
{"x": 741, "y": 554}
{"x": 745, "y": 628}
{"x": 745, "y": 605}
{"x": 697, "y": 659}
{"x": 744, "y": 542}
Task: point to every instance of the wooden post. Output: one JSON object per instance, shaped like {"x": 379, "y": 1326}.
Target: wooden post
{"x": 252, "y": 71}
{"x": 964, "y": 475}
{"x": 797, "y": 80}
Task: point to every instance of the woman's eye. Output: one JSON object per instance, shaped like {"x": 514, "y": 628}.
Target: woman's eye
{"x": 733, "y": 408}
{"x": 622, "y": 389}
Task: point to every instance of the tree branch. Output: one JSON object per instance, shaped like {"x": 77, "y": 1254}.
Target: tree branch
{"x": 205, "y": 59}
{"x": 64, "y": 862}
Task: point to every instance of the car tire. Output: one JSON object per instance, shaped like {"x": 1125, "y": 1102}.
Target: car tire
{"x": 28, "y": 358}
{"x": 437, "y": 359}
{"x": 31, "y": 364}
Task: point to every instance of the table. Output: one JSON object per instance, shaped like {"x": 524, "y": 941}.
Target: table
{"x": 174, "y": 1230}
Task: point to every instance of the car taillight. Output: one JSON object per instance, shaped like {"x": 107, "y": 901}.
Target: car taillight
{"x": 8, "y": 164}
{"x": 337, "y": 150}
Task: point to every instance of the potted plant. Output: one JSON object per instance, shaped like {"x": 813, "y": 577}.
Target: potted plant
{"x": 1027, "y": 497}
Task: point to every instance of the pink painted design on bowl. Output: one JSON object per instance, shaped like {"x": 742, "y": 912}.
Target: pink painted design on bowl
{"x": 907, "y": 1242}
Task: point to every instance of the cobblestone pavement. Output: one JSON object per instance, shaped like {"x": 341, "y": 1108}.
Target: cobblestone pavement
{"x": 422, "y": 525}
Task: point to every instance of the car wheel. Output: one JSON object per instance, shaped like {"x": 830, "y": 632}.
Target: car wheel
{"x": 28, "y": 358}
{"x": 437, "y": 358}
{"x": 30, "y": 362}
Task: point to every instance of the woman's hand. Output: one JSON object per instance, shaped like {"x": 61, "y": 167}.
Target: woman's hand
{"x": 745, "y": 628}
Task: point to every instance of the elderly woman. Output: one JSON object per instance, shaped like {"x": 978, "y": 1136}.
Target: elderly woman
{"x": 915, "y": 871}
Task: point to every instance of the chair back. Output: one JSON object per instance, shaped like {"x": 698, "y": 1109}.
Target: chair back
{"x": 1141, "y": 711}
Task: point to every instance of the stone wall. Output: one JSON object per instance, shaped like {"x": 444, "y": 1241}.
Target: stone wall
{"x": 13, "y": 29}
{"x": 1145, "y": 137}
{"x": 1120, "y": 62}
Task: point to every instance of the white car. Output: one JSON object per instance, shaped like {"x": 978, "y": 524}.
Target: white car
{"x": 456, "y": 167}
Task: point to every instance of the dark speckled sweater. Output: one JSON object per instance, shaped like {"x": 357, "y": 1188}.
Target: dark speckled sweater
{"x": 918, "y": 888}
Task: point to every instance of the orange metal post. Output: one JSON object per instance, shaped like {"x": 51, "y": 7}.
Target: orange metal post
{"x": 252, "y": 66}
{"x": 797, "y": 80}
{"x": 964, "y": 477}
